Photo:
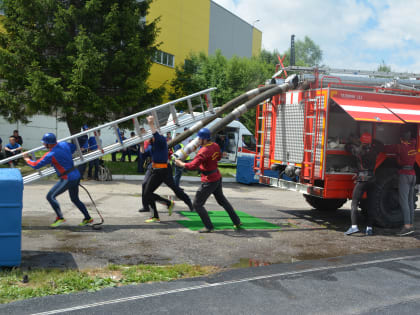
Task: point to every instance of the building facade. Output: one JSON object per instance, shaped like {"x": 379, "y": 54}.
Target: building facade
{"x": 188, "y": 26}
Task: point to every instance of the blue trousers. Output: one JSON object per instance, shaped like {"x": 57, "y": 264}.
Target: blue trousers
{"x": 73, "y": 188}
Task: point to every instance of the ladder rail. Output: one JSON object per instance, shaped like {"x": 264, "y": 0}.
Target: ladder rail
{"x": 90, "y": 156}
{"x": 115, "y": 122}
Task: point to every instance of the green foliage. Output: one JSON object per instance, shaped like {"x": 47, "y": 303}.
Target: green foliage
{"x": 232, "y": 77}
{"x": 87, "y": 59}
{"x": 44, "y": 282}
{"x": 383, "y": 67}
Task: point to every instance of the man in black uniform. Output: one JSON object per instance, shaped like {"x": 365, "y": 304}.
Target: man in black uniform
{"x": 365, "y": 150}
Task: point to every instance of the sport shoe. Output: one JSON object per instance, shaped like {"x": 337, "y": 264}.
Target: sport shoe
{"x": 406, "y": 231}
{"x": 238, "y": 226}
{"x": 206, "y": 230}
{"x": 86, "y": 222}
{"x": 143, "y": 210}
{"x": 151, "y": 220}
{"x": 369, "y": 232}
{"x": 171, "y": 207}
{"x": 351, "y": 231}
{"x": 57, "y": 222}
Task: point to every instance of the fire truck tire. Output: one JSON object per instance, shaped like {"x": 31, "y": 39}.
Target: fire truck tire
{"x": 383, "y": 200}
{"x": 324, "y": 204}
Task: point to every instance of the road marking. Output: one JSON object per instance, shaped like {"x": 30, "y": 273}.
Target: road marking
{"x": 217, "y": 284}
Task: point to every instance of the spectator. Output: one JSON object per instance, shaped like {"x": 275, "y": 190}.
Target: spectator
{"x": 179, "y": 170}
{"x": 140, "y": 160}
{"x": 168, "y": 136}
{"x": 17, "y": 137}
{"x": 93, "y": 146}
{"x": 134, "y": 149}
{"x": 221, "y": 141}
{"x": 123, "y": 151}
{"x": 11, "y": 149}
{"x": 84, "y": 147}
{"x": 187, "y": 140}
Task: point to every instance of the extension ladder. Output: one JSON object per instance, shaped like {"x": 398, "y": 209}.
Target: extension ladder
{"x": 197, "y": 111}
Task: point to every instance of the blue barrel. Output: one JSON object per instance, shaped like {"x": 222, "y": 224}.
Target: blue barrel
{"x": 245, "y": 170}
{"x": 11, "y": 192}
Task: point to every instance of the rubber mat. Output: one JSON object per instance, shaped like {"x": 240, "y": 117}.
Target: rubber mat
{"x": 222, "y": 221}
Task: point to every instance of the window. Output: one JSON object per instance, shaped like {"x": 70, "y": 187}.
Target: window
{"x": 164, "y": 58}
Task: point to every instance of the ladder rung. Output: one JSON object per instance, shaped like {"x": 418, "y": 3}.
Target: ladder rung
{"x": 308, "y": 150}
{"x": 310, "y": 133}
{"x": 310, "y": 116}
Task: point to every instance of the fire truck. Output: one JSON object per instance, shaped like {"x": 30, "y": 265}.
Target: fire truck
{"x": 301, "y": 134}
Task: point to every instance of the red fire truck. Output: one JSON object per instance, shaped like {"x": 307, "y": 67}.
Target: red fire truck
{"x": 302, "y": 135}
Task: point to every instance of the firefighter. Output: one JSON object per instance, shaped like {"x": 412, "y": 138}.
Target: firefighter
{"x": 211, "y": 180}
{"x": 406, "y": 157}
{"x": 365, "y": 150}
{"x": 161, "y": 173}
{"x": 60, "y": 157}
{"x": 145, "y": 154}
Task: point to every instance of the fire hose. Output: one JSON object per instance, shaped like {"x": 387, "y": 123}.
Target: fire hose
{"x": 291, "y": 82}
{"x": 225, "y": 108}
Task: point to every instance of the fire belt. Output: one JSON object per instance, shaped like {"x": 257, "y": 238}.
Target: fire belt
{"x": 159, "y": 165}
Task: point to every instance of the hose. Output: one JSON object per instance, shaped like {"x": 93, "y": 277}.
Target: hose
{"x": 95, "y": 226}
{"x": 225, "y": 108}
{"x": 267, "y": 94}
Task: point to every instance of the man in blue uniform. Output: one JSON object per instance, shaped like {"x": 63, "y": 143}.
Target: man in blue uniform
{"x": 60, "y": 157}
{"x": 161, "y": 173}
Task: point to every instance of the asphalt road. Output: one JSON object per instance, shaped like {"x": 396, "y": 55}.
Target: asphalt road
{"x": 302, "y": 233}
{"x": 384, "y": 283}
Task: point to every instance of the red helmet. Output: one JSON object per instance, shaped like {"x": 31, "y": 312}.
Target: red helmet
{"x": 366, "y": 138}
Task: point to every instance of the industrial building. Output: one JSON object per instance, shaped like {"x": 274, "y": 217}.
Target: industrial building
{"x": 197, "y": 26}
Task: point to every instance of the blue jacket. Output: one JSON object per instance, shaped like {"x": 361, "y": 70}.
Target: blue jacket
{"x": 60, "y": 157}
{"x": 92, "y": 144}
{"x": 158, "y": 149}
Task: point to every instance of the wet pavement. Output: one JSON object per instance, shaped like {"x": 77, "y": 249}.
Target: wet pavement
{"x": 304, "y": 234}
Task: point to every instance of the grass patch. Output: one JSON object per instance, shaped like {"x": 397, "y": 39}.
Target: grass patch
{"x": 44, "y": 282}
{"x": 127, "y": 168}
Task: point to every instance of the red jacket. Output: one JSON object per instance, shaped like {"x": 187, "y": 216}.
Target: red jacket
{"x": 206, "y": 160}
{"x": 406, "y": 155}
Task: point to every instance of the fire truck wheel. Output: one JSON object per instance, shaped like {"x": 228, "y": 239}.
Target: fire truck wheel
{"x": 324, "y": 204}
{"x": 383, "y": 200}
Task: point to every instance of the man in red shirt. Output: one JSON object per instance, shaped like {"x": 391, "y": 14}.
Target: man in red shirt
{"x": 406, "y": 157}
{"x": 211, "y": 180}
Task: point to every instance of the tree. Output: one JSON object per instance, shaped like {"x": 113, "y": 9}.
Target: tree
{"x": 232, "y": 77}
{"x": 383, "y": 67}
{"x": 89, "y": 60}
{"x": 307, "y": 52}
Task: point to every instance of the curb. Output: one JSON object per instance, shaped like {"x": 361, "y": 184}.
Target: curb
{"x": 183, "y": 178}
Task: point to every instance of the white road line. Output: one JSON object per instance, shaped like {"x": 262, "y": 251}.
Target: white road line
{"x": 210, "y": 285}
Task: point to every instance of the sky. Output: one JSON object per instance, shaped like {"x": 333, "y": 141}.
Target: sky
{"x": 352, "y": 34}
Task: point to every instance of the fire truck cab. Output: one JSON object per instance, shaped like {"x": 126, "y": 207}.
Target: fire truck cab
{"x": 302, "y": 134}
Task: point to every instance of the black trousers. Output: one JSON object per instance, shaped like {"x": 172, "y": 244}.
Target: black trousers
{"x": 157, "y": 197}
{"x": 359, "y": 189}
{"x": 157, "y": 177}
{"x": 203, "y": 193}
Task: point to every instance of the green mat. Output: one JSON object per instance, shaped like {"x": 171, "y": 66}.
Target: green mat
{"x": 221, "y": 221}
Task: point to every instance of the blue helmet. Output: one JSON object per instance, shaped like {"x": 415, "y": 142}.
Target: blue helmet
{"x": 85, "y": 127}
{"x": 49, "y": 138}
{"x": 204, "y": 133}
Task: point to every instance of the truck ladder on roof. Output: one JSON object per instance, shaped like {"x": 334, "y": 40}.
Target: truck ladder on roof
{"x": 354, "y": 72}
{"x": 160, "y": 113}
